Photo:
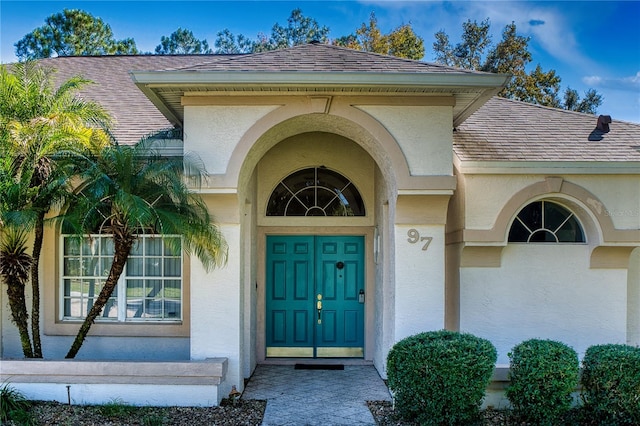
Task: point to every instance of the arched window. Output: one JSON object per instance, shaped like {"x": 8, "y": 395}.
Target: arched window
{"x": 546, "y": 222}
{"x": 315, "y": 191}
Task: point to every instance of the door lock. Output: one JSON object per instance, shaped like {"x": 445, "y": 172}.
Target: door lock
{"x": 319, "y": 308}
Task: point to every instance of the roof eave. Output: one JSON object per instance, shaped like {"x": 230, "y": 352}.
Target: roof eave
{"x": 461, "y": 79}
{"x": 486, "y": 84}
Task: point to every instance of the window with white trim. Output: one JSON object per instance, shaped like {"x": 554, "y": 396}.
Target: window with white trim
{"x": 546, "y": 222}
{"x": 149, "y": 289}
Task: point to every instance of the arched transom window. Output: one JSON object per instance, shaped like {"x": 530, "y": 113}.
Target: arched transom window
{"x": 315, "y": 191}
{"x": 546, "y": 222}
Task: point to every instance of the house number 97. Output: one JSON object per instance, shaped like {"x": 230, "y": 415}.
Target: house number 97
{"x": 414, "y": 237}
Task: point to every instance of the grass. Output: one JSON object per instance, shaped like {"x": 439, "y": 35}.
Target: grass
{"x": 14, "y": 406}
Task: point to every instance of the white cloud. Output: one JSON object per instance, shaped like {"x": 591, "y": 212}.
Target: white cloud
{"x": 623, "y": 83}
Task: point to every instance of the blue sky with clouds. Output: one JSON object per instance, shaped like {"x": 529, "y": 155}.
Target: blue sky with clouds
{"x": 590, "y": 44}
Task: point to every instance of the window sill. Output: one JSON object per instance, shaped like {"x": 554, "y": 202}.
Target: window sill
{"x": 121, "y": 329}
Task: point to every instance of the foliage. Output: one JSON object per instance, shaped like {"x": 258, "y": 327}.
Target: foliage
{"x": 510, "y": 56}
{"x": 227, "y": 43}
{"x": 72, "y": 33}
{"x": 589, "y": 104}
{"x": 13, "y": 405}
{"x": 440, "y": 377}
{"x": 300, "y": 29}
{"x": 611, "y": 384}
{"x": 182, "y": 42}
{"x": 402, "y": 42}
{"x": 42, "y": 127}
{"x": 543, "y": 375}
{"x": 130, "y": 190}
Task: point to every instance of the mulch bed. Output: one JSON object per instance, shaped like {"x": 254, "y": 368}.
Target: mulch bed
{"x": 244, "y": 412}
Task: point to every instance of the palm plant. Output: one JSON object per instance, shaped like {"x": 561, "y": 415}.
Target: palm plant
{"x": 42, "y": 126}
{"x": 132, "y": 190}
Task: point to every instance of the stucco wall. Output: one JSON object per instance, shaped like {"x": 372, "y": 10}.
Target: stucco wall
{"x": 619, "y": 194}
{"x": 214, "y": 131}
{"x": 423, "y": 133}
{"x": 544, "y": 291}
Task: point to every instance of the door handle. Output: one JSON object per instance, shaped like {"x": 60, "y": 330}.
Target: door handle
{"x": 319, "y": 308}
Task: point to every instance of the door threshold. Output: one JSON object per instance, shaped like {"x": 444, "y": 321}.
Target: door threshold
{"x": 317, "y": 361}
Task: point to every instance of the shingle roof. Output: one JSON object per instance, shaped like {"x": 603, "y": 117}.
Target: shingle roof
{"x": 507, "y": 130}
{"x": 134, "y": 114}
{"x": 501, "y": 130}
{"x": 319, "y": 57}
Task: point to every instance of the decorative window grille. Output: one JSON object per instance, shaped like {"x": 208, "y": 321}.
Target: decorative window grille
{"x": 546, "y": 222}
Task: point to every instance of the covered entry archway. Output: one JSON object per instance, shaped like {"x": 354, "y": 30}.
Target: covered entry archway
{"x": 315, "y": 217}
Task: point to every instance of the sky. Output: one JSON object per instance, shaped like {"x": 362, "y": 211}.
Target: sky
{"x": 590, "y": 44}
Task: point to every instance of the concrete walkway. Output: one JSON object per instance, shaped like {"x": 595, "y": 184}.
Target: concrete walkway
{"x": 316, "y": 397}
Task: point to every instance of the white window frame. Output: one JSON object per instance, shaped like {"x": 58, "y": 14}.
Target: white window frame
{"x": 121, "y": 288}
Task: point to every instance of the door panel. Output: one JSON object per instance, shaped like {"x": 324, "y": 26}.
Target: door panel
{"x": 305, "y": 270}
{"x": 289, "y": 292}
{"x": 340, "y": 280}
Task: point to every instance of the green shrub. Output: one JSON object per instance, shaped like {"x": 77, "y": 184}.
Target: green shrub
{"x": 543, "y": 375}
{"x": 13, "y": 404}
{"x": 611, "y": 384}
{"x": 440, "y": 377}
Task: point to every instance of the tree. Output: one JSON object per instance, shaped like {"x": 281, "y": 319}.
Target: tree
{"x": 510, "y": 56}
{"x": 227, "y": 43}
{"x": 469, "y": 52}
{"x": 402, "y": 42}
{"x": 42, "y": 129}
{"x": 182, "y": 42}
{"x": 589, "y": 104}
{"x": 15, "y": 263}
{"x": 72, "y": 33}
{"x": 131, "y": 190}
{"x": 300, "y": 29}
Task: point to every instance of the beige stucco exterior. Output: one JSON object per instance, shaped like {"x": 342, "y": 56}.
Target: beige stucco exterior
{"x": 435, "y": 229}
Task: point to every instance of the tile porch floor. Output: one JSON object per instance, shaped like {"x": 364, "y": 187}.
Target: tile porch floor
{"x": 316, "y": 397}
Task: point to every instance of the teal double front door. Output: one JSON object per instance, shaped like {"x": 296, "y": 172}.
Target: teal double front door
{"x": 315, "y": 296}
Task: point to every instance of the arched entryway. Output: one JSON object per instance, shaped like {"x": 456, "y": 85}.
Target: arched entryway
{"x": 315, "y": 220}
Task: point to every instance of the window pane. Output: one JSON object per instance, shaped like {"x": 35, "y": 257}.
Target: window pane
{"x": 71, "y": 266}
{"x": 325, "y": 197}
{"x": 154, "y": 288}
{"x": 542, "y": 236}
{"x": 90, "y": 247}
{"x": 172, "y": 309}
{"x": 279, "y": 199}
{"x": 135, "y": 267}
{"x": 153, "y": 267}
{"x": 518, "y": 233}
{"x": 71, "y": 246}
{"x": 554, "y": 215}
{"x": 135, "y": 289}
{"x": 153, "y": 308}
{"x": 571, "y": 232}
{"x": 172, "y": 247}
{"x": 296, "y": 207}
{"x": 172, "y": 267}
{"x": 105, "y": 265}
{"x": 531, "y": 216}
{"x": 106, "y": 245}
{"x": 136, "y": 250}
{"x": 153, "y": 246}
{"x": 172, "y": 289}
